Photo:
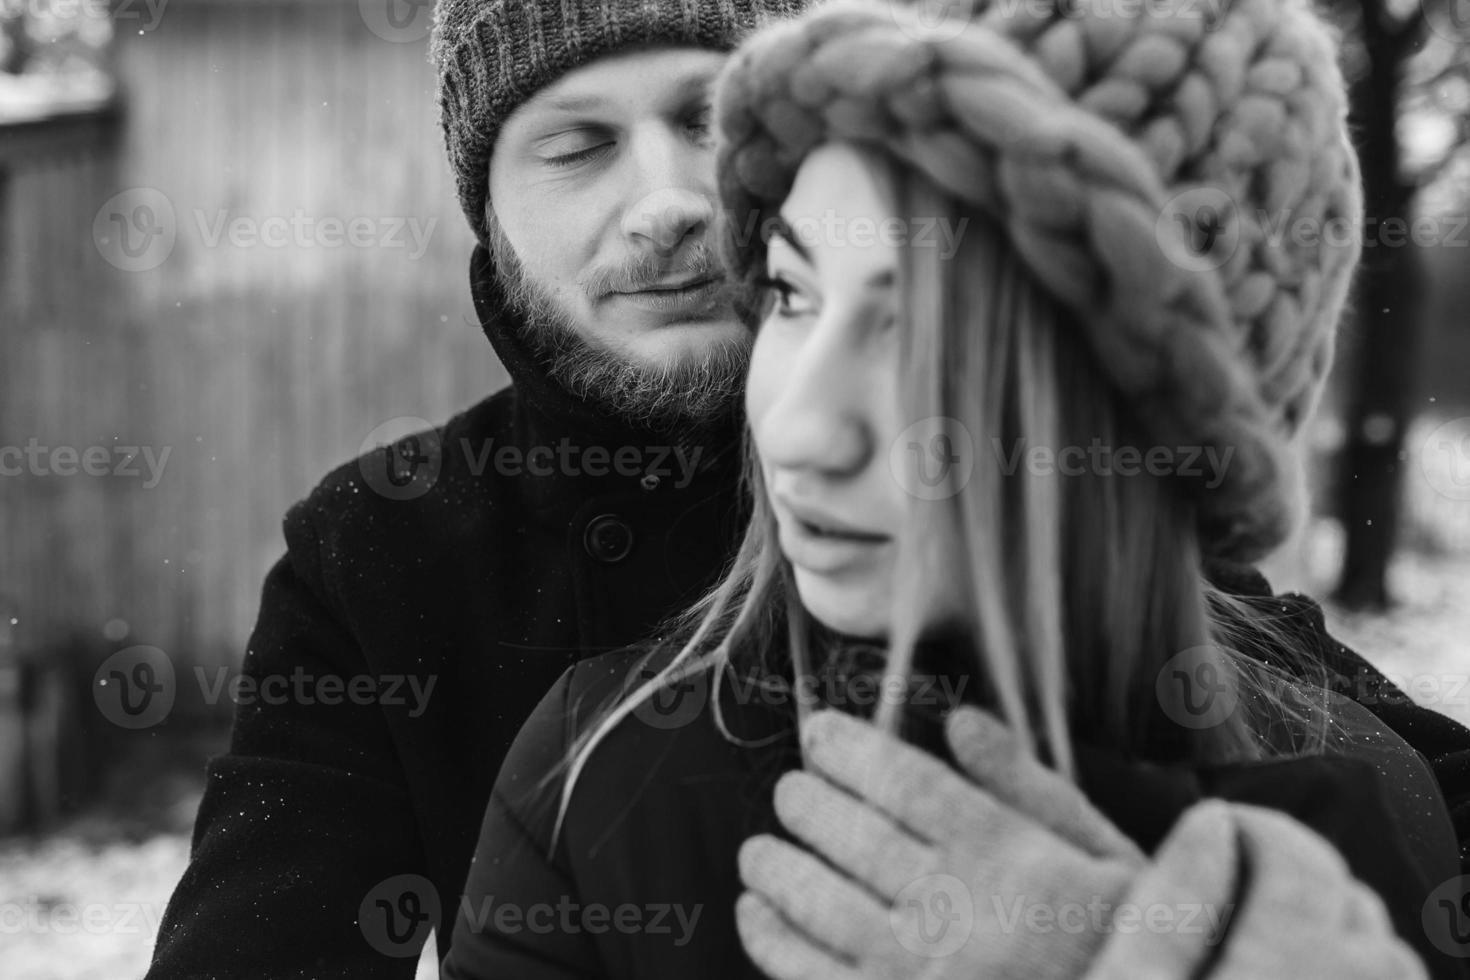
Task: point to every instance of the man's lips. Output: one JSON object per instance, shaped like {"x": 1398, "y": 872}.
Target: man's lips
{"x": 676, "y": 286}
{"x": 701, "y": 298}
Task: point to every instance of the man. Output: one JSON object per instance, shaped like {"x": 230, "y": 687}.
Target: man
{"x": 560, "y": 518}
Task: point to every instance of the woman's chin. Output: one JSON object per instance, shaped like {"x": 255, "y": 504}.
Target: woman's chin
{"x": 852, "y": 612}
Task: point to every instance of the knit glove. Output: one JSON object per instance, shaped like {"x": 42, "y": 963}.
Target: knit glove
{"x": 926, "y": 873}
{"x": 1292, "y": 906}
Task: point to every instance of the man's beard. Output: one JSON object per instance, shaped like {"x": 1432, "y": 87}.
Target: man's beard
{"x": 679, "y": 396}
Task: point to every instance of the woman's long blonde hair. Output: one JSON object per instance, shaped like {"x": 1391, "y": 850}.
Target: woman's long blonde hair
{"x": 1074, "y": 591}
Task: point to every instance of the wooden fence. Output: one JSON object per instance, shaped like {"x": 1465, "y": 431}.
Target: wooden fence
{"x": 215, "y": 377}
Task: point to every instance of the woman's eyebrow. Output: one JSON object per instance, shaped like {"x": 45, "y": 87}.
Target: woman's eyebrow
{"x": 782, "y": 230}
{"x": 878, "y": 280}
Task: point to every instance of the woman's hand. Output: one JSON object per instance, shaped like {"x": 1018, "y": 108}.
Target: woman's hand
{"x": 1293, "y": 907}
{"x": 990, "y": 754}
{"x": 927, "y": 873}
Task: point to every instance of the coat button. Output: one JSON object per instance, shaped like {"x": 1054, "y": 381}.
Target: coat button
{"x": 608, "y": 539}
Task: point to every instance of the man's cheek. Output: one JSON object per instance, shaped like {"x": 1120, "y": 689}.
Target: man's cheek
{"x": 554, "y": 269}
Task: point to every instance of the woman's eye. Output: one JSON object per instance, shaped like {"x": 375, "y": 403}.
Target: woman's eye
{"x": 790, "y": 301}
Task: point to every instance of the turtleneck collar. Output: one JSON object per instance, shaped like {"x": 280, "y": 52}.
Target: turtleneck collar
{"x": 553, "y": 408}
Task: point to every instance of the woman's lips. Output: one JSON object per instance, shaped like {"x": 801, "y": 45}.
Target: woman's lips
{"x": 821, "y": 543}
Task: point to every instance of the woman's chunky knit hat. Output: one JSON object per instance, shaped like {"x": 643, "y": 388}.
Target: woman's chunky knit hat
{"x": 1140, "y": 161}
{"x": 493, "y": 55}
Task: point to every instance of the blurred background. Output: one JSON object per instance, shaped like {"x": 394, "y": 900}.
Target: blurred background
{"x": 231, "y": 258}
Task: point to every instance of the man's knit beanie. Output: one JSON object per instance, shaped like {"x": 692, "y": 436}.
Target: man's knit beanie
{"x": 1142, "y": 160}
{"x": 493, "y": 55}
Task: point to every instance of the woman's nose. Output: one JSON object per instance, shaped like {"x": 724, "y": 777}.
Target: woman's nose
{"x": 820, "y": 420}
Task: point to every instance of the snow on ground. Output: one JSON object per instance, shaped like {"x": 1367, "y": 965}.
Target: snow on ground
{"x": 75, "y": 910}
{"x": 83, "y": 905}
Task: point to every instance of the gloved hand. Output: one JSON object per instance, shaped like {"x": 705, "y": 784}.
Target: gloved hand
{"x": 1294, "y": 908}
{"x": 989, "y": 753}
{"x": 928, "y": 868}
{"x": 930, "y": 875}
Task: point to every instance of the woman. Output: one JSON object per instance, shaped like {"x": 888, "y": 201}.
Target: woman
{"x": 917, "y": 419}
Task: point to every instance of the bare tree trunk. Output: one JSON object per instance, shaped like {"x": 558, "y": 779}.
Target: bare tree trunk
{"x": 1381, "y": 397}
{"x": 1378, "y": 414}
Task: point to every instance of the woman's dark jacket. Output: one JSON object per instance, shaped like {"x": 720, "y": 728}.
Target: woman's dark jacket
{"x": 321, "y": 822}
{"x": 641, "y": 881}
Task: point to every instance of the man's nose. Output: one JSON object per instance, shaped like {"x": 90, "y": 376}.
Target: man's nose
{"x": 665, "y": 219}
{"x": 672, "y": 193}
